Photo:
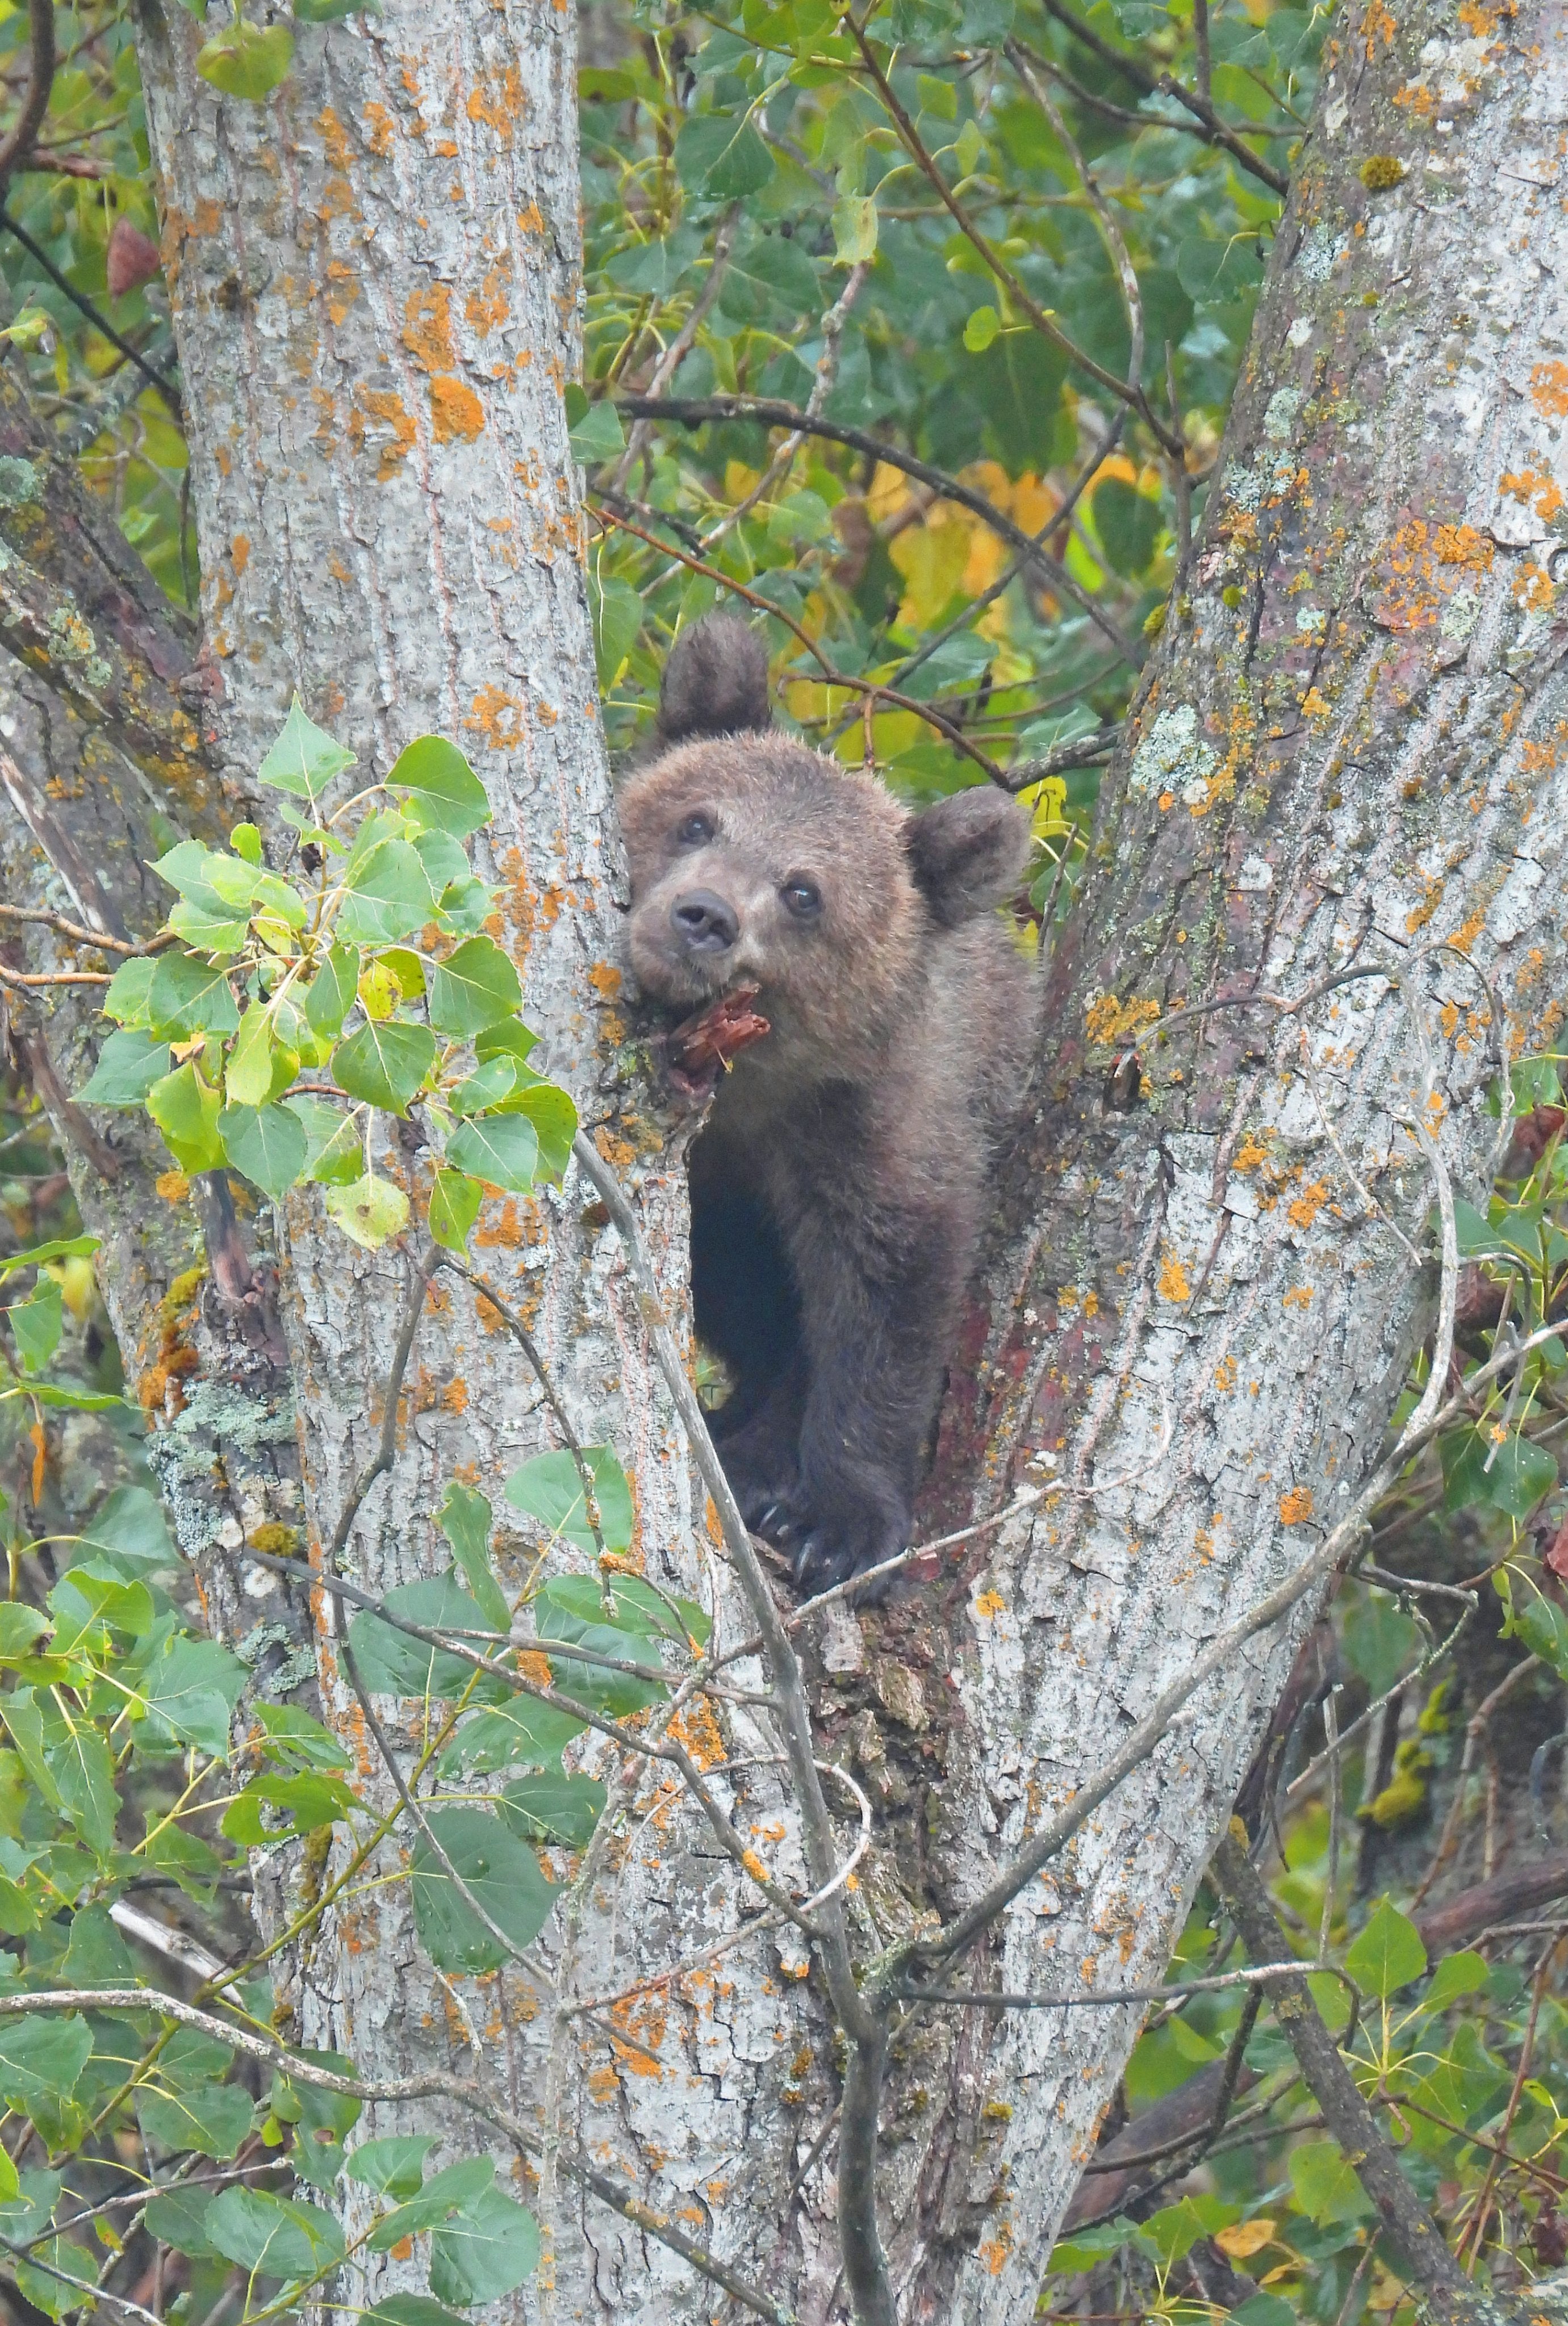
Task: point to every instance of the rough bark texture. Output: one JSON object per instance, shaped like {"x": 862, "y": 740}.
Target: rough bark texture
{"x": 1352, "y": 748}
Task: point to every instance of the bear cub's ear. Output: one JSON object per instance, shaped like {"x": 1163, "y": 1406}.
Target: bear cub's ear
{"x": 715, "y": 682}
{"x": 967, "y": 852}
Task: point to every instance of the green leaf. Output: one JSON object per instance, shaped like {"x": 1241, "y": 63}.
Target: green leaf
{"x": 385, "y": 1064}
{"x": 485, "y": 2251}
{"x": 86, "y": 1601}
{"x": 1543, "y": 1626}
{"x": 1325, "y": 2188}
{"x": 19, "y": 1626}
{"x": 555, "y": 1808}
{"x": 291, "y": 1734}
{"x": 212, "y": 2120}
{"x": 305, "y": 759}
{"x": 188, "y": 996}
{"x": 274, "y": 2236}
{"x": 521, "y": 1732}
{"x": 549, "y": 1488}
{"x": 1388, "y": 1954}
{"x": 502, "y": 1149}
{"x": 249, "y": 62}
{"x": 511, "y": 1040}
{"x": 58, "y": 2278}
{"x": 1175, "y": 2229}
{"x": 83, "y": 1769}
{"x": 125, "y": 998}
{"x": 334, "y": 1147}
{"x": 855, "y": 231}
{"x": 393, "y": 2166}
{"x": 368, "y": 1210}
{"x": 454, "y": 1205}
{"x": 186, "y": 1111}
{"x": 322, "y": 2119}
{"x": 1519, "y": 1476}
{"x": 42, "y": 2057}
{"x": 444, "y": 2194}
{"x": 190, "y": 1691}
{"x": 464, "y": 1517}
{"x": 97, "y": 1955}
{"x": 329, "y": 996}
{"x": 1456, "y": 1975}
{"x": 193, "y": 2057}
{"x": 617, "y": 610}
{"x": 981, "y": 329}
{"x": 130, "y": 1532}
{"x": 411, "y": 2309}
{"x": 1129, "y": 524}
{"x": 24, "y": 1718}
{"x": 387, "y": 893}
{"x": 567, "y": 1609}
{"x": 554, "y": 1116}
{"x": 445, "y": 794}
{"x": 128, "y": 1065}
{"x": 248, "y": 1069}
{"x": 594, "y": 431}
{"x": 178, "y": 2218}
{"x": 502, "y": 1873}
{"x": 309, "y": 1800}
{"x": 266, "y": 1143}
{"x": 474, "y": 987}
{"x": 395, "y": 1662}
{"x": 37, "y": 1325}
{"x": 721, "y": 157}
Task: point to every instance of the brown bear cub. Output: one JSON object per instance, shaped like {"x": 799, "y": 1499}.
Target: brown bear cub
{"x": 838, "y": 1185}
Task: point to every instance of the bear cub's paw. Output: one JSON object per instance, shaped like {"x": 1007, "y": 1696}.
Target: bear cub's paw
{"x": 832, "y": 1533}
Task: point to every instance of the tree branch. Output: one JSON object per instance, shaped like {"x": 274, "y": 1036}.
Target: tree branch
{"x": 18, "y": 144}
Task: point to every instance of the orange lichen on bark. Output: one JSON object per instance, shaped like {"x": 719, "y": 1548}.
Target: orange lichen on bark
{"x": 1107, "y": 1021}
{"x": 456, "y": 413}
{"x": 498, "y": 716}
{"x": 1549, "y": 390}
{"x": 498, "y": 100}
{"x": 1173, "y": 1283}
{"x": 386, "y": 406}
{"x": 427, "y": 327}
{"x": 1296, "y": 1507}
{"x": 1536, "y": 490}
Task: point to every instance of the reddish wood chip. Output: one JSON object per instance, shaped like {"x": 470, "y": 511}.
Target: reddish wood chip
{"x": 131, "y": 258}
{"x": 697, "y": 1051}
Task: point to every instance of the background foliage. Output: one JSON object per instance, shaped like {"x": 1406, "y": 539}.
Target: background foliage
{"x": 890, "y": 222}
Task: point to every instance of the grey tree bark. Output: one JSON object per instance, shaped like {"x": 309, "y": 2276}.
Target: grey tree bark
{"x": 1197, "y": 1316}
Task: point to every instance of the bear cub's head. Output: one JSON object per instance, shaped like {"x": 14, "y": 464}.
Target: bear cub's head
{"x": 757, "y": 861}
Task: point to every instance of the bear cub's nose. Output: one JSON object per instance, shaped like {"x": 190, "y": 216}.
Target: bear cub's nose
{"x": 703, "y": 922}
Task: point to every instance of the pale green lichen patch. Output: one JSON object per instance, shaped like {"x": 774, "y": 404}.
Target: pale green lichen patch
{"x": 1173, "y": 757}
{"x": 1280, "y": 418}
{"x": 216, "y": 1421}
{"x": 20, "y": 480}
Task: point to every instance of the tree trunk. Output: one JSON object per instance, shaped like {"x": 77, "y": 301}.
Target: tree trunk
{"x": 1197, "y": 1313}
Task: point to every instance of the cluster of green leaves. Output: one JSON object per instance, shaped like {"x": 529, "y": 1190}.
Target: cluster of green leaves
{"x": 761, "y": 122}
{"x": 292, "y": 1006}
{"x": 124, "y": 1767}
{"x": 1465, "y": 2059}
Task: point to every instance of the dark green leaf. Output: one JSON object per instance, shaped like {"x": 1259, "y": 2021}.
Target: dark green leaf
{"x": 502, "y": 1149}
{"x": 42, "y": 2057}
{"x": 188, "y": 996}
{"x": 214, "y": 2120}
{"x": 191, "y": 1691}
{"x": 454, "y": 1205}
{"x": 128, "y": 1065}
{"x": 329, "y": 996}
{"x": 385, "y": 1064}
{"x": 549, "y": 1488}
{"x": 36, "y": 1324}
{"x": 393, "y": 2166}
{"x": 396, "y": 1664}
{"x": 272, "y": 2235}
{"x": 484, "y": 2251}
{"x": 721, "y": 157}
{"x": 388, "y": 895}
{"x": 521, "y": 1732}
{"x": 502, "y": 1873}
{"x": 464, "y": 1517}
{"x": 555, "y": 1808}
{"x": 266, "y": 1143}
{"x": 178, "y": 2218}
{"x": 474, "y": 987}
{"x": 293, "y": 1734}
{"x": 1326, "y": 2188}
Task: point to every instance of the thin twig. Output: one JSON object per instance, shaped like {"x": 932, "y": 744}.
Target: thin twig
{"x": 19, "y": 144}
{"x": 96, "y": 317}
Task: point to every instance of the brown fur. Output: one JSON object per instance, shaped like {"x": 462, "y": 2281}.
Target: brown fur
{"x": 838, "y": 1186}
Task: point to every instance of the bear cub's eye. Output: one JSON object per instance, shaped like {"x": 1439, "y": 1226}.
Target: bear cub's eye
{"x": 694, "y": 830}
{"x": 803, "y": 899}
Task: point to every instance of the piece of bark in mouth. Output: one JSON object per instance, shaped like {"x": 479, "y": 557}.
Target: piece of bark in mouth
{"x": 699, "y": 1049}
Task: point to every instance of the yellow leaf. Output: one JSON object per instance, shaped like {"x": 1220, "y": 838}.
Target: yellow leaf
{"x": 931, "y": 558}
{"x": 1245, "y": 2237}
